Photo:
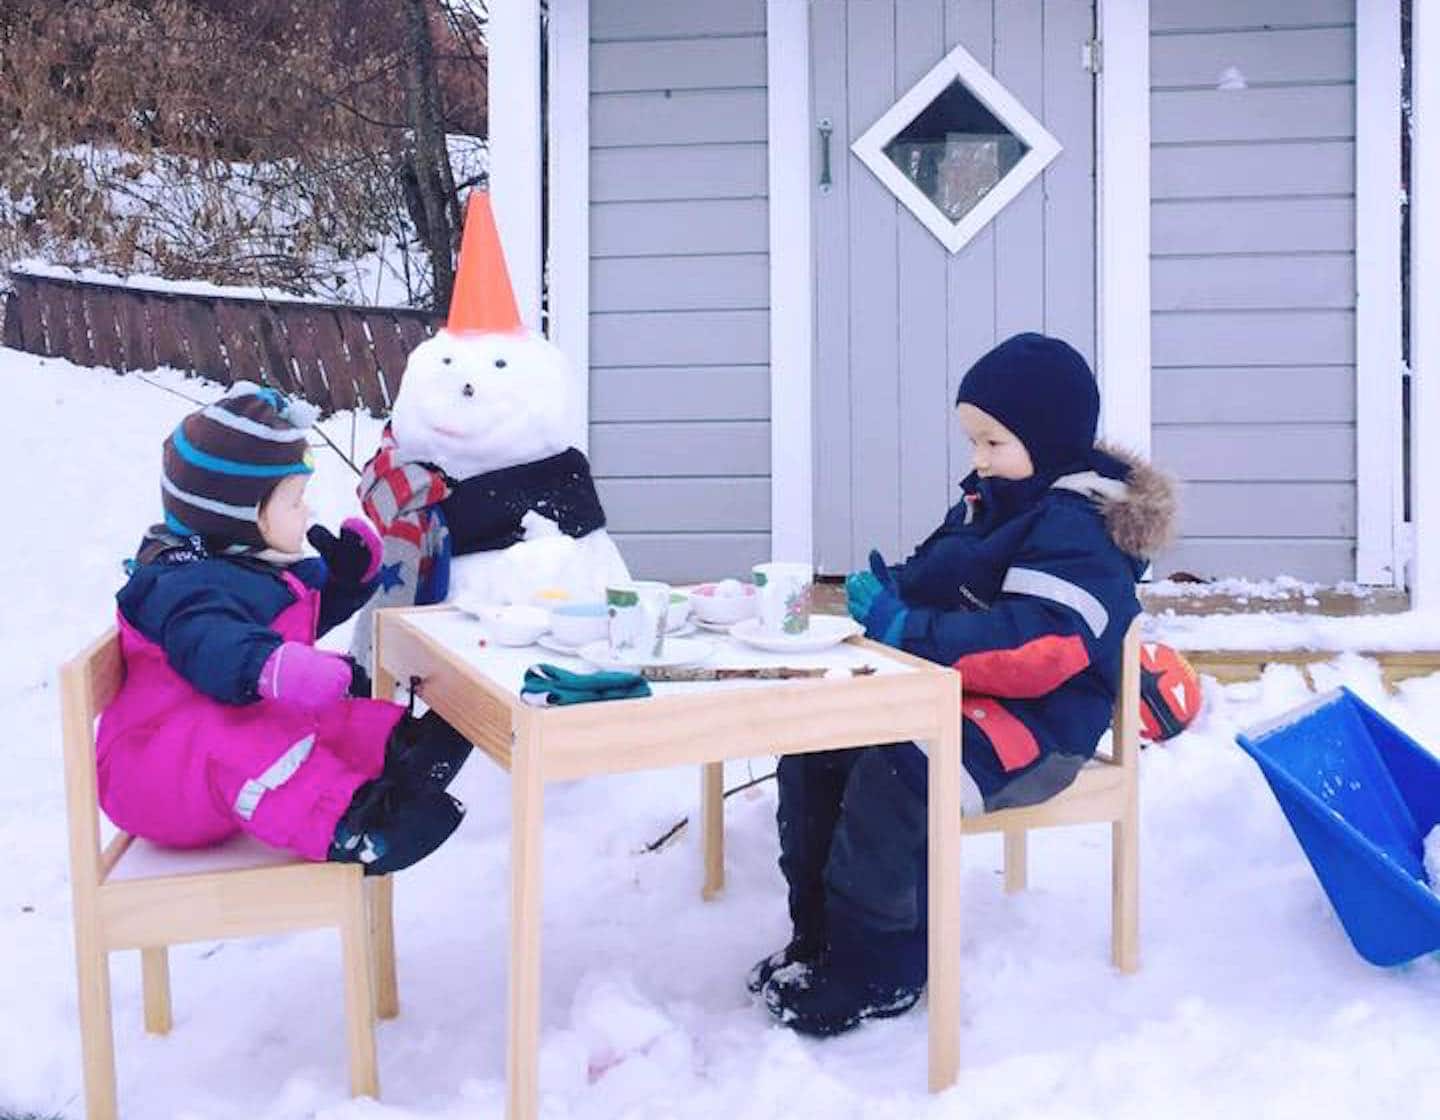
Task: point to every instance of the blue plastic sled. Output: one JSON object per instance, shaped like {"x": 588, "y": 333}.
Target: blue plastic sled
{"x": 1361, "y": 796}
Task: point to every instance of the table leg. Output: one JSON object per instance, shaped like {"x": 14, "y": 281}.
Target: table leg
{"x": 944, "y": 948}
{"x": 712, "y": 823}
{"x": 527, "y": 802}
{"x": 382, "y": 682}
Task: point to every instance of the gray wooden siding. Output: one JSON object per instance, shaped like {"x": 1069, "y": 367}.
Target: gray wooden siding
{"x": 679, "y": 283}
{"x": 1253, "y": 282}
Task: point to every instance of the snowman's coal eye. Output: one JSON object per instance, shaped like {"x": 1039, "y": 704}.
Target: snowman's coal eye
{"x": 501, "y": 363}
{"x": 446, "y": 361}
{"x": 469, "y": 390}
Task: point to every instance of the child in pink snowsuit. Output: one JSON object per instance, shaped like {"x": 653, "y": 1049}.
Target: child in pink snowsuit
{"x": 229, "y": 719}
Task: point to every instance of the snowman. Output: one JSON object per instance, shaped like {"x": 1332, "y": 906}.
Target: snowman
{"x": 477, "y": 493}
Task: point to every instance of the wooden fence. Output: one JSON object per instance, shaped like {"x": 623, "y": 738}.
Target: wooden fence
{"x": 334, "y": 356}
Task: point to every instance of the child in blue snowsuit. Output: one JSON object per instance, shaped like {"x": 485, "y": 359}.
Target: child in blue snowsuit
{"x": 1027, "y": 588}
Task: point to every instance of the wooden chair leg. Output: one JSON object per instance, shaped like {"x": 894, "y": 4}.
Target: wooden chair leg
{"x": 359, "y": 991}
{"x": 155, "y": 978}
{"x": 97, "y": 1037}
{"x": 1125, "y": 893}
{"x": 1015, "y": 861}
{"x": 712, "y": 822}
{"x": 380, "y": 890}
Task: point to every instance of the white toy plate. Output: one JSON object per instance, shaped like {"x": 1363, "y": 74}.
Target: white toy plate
{"x": 826, "y": 630}
{"x": 678, "y": 651}
{"x": 555, "y": 645}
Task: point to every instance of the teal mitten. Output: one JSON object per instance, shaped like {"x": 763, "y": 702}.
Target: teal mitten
{"x": 860, "y": 591}
{"x": 549, "y": 684}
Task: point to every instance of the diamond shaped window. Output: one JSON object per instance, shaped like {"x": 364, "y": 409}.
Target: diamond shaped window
{"x": 956, "y": 148}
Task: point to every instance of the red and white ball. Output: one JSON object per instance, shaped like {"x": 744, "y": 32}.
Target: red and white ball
{"x": 1169, "y": 692}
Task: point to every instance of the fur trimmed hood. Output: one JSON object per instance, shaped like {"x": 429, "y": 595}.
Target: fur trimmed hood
{"x": 1139, "y": 510}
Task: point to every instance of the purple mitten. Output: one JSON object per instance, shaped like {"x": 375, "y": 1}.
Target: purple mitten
{"x": 299, "y": 674}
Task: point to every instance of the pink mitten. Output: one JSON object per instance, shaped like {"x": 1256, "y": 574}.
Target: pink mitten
{"x": 299, "y": 674}
{"x": 370, "y": 539}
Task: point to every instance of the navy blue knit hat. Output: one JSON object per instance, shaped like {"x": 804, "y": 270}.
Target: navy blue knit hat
{"x": 1043, "y": 391}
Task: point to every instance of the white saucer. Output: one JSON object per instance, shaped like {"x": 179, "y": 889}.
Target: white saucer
{"x": 712, "y": 627}
{"x": 678, "y": 651}
{"x": 555, "y": 645}
{"x": 826, "y": 630}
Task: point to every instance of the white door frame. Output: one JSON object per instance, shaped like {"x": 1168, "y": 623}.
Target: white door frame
{"x": 569, "y": 209}
{"x": 514, "y": 89}
{"x": 1424, "y": 295}
{"x": 1122, "y": 250}
{"x": 1379, "y": 474}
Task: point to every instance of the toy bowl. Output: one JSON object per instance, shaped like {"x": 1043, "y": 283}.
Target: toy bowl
{"x": 515, "y": 625}
{"x": 723, "y": 603}
{"x": 578, "y": 624}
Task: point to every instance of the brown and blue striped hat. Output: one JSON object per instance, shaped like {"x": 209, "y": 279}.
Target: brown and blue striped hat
{"x": 222, "y": 462}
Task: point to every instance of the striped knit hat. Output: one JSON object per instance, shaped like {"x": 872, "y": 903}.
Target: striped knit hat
{"x": 222, "y": 462}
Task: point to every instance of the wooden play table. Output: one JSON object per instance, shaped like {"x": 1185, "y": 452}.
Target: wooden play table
{"x": 477, "y": 689}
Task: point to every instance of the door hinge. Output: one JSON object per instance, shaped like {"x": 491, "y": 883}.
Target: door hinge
{"x": 1090, "y": 55}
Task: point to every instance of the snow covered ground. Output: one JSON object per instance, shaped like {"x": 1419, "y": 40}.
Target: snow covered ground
{"x": 1250, "y": 1001}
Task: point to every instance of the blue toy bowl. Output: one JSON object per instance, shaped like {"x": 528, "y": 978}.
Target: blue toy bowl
{"x": 1361, "y": 796}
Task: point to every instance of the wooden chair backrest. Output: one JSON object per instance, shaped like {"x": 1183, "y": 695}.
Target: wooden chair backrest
{"x": 1125, "y": 728}
{"x": 88, "y": 682}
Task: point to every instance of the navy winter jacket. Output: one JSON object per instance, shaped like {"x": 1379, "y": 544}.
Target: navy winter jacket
{"x": 1028, "y": 588}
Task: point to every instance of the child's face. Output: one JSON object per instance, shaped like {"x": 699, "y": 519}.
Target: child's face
{"x": 284, "y": 514}
{"x": 997, "y": 451}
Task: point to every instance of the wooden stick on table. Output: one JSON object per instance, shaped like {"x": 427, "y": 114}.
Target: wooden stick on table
{"x": 667, "y": 674}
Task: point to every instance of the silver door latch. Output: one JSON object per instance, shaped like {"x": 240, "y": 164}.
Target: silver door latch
{"x": 826, "y": 128}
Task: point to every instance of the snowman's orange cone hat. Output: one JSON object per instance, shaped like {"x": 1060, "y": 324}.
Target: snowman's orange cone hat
{"x": 482, "y": 300}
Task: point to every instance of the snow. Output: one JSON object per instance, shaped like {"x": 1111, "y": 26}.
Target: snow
{"x": 1282, "y": 630}
{"x": 1281, "y": 587}
{"x": 36, "y": 267}
{"x": 1231, "y": 79}
{"x": 393, "y": 274}
{"x": 1250, "y": 1001}
{"x": 1432, "y": 859}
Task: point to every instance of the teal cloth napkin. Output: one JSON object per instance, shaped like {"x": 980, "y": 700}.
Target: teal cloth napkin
{"x": 549, "y": 684}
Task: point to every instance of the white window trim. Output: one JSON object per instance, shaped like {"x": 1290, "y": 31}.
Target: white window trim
{"x": 514, "y": 87}
{"x": 959, "y": 63}
{"x": 1424, "y": 296}
{"x": 792, "y": 281}
{"x": 569, "y": 156}
{"x": 1379, "y": 503}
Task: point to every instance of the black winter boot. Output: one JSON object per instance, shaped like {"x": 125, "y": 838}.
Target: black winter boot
{"x": 390, "y": 825}
{"x": 802, "y": 950}
{"x": 811, "y": 787}
{"x": 875, "y": 908}
{"x": 425, "y": 751}
{"x": 863, "y": 974}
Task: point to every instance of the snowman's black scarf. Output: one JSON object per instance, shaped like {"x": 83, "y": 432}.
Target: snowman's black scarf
{"x": 483, "y": 512}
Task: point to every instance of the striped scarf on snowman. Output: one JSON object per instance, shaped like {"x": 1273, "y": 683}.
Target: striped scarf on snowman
{"x": 402, "y": 500}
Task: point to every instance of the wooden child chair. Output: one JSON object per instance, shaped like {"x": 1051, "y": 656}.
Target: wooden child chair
{"x": 1105, "y": 790}
{"x": 135, "y": 895}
